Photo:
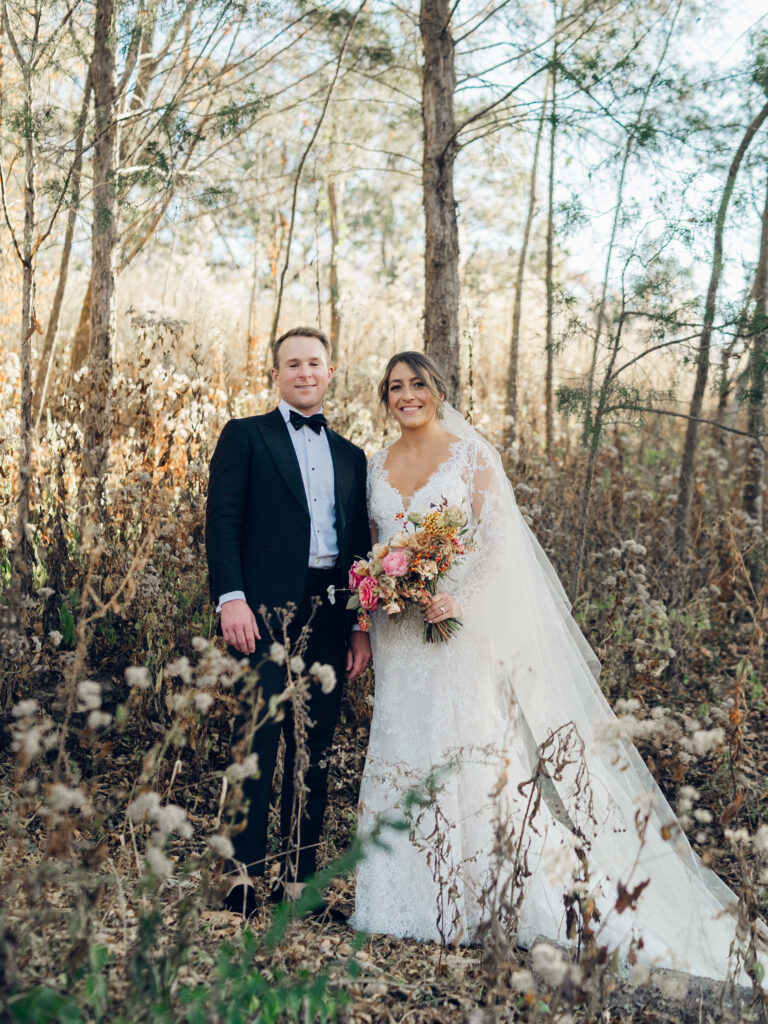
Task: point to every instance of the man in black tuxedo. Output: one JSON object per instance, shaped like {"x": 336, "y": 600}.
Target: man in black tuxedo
{"x": 286, "y": 517}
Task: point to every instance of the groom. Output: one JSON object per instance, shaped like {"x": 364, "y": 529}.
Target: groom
{"x": 286, "y": 516}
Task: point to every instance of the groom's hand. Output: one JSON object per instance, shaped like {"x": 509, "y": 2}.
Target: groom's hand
{"x": 238, "y": 625}
{"x": 359, "y": 653}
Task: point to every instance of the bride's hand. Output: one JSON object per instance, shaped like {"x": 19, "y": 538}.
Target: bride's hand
{"x": 441, "y": 606}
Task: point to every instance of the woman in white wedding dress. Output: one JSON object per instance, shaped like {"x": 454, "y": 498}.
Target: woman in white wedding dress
{"x": 456, "y": 727}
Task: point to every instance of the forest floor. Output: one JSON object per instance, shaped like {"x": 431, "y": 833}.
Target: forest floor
{"x": 356, "y": 978}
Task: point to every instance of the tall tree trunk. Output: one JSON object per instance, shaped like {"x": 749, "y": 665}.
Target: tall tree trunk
{"x": 333, "y": 273}
{"x": 23, "y": 554}
{"x": 550, "y": 284}
{"x": 104, "y": 241}
{"x": 753, "y": 488}
{"x": 46, "y": 356}
{"x": 441, "y": 258}
{"x": 514, "y": 346}
{"x": 685, "y": 482}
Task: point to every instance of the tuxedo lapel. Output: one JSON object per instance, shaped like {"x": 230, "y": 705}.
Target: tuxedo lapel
{"x": 344, "y": 480}
{"x": 278, "y": 441}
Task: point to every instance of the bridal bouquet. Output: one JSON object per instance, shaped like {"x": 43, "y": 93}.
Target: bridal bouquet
{"x": 409, "y": 567}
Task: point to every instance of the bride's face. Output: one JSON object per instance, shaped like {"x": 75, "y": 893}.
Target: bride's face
{"x": 409, "y": 399}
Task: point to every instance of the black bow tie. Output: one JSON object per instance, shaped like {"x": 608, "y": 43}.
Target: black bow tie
{"x": 316, "y": 422}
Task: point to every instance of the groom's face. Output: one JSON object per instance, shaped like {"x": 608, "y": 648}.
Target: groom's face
{"x": 302, "y": 374}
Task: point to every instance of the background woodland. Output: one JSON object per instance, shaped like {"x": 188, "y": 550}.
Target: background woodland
{"x": 565, "y": 203}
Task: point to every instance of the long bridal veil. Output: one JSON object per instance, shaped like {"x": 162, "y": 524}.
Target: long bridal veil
{"x": 685, "y": 916}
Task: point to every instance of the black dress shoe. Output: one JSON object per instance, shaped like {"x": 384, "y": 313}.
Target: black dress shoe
{"x": 330, "y": 912}
{"x": 241, "y": 900}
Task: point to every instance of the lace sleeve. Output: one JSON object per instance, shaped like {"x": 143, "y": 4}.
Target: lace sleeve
{"x": 374, "y": 464}
{"x": 487, "y": 530}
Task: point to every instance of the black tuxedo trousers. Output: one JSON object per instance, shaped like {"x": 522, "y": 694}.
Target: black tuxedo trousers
{"x": 300, "y": 821}
{"x": 257, "y": 541}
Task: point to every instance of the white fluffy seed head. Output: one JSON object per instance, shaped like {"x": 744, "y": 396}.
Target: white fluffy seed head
{"x": 760, "y": 842}
{"x": 325, "y": 675}
{"x": 25, "y": 709}
{"x": 157, "y": 863}
{"x": 248, "y": 768}
{"x": 99, "y": 720}
{"x": 89, "y": 695}
{"x": 222, "y": 846}
{"x": 277, "y": 653}
{"x": 138, "y": 677}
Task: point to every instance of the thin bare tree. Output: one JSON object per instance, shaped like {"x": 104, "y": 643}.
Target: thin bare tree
{"x": 511, "y": 409}
{"x": 756, "y": 371}
{"x": 633, "y": 133}
{"x": 549, "y": 343}
{"x": 31, "y": 53}
{"x": 334, "y": 285}
{"x": 46, "y": 356}
{"x": 300, "y": 169}
{"x": 685, "y": 482}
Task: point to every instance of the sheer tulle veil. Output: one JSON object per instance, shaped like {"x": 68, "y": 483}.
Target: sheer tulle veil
{"x": 687, "y": 916}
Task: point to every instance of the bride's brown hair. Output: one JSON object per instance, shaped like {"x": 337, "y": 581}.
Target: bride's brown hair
{"x": 422, "y": 367}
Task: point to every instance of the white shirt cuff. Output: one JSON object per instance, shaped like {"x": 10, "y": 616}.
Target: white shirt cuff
{"x": 232, "y": 595}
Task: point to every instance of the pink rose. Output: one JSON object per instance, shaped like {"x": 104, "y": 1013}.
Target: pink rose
{"x": 354, "y": 579}
{"x": 396, "y": 562}
{"x": 367, "y": 593}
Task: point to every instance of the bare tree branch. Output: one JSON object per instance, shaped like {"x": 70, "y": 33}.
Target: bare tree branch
{"x": 8, "y": 219}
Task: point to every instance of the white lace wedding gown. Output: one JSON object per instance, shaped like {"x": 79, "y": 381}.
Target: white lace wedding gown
{"x": 448, "y": 732}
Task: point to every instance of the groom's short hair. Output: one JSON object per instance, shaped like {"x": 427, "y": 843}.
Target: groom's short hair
{"x": 301, "y": 332}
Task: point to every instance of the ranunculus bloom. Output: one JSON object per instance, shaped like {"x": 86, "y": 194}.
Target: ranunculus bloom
{"x": 400, "y": 540}
{"x": 354, "y": 578}
{"x": 428, "y": 569}
{"x": 379, "y": 550}
{"x": 396, "y": 562}
{"x": 367, "y": 593}
{"x": 387, "y": 585}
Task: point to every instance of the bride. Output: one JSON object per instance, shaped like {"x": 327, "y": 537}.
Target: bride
{"x": 461, "y": 728}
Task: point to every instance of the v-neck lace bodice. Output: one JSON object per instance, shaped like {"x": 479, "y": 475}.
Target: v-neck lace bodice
{"x": 451, "y": 480}
{"x": 406, "y": 501}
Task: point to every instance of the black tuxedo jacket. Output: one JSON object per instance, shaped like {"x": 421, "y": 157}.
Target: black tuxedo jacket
{"x": 257, "y": 520}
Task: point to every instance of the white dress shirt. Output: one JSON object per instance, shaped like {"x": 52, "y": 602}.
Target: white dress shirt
{"x": 314, "y": 456}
